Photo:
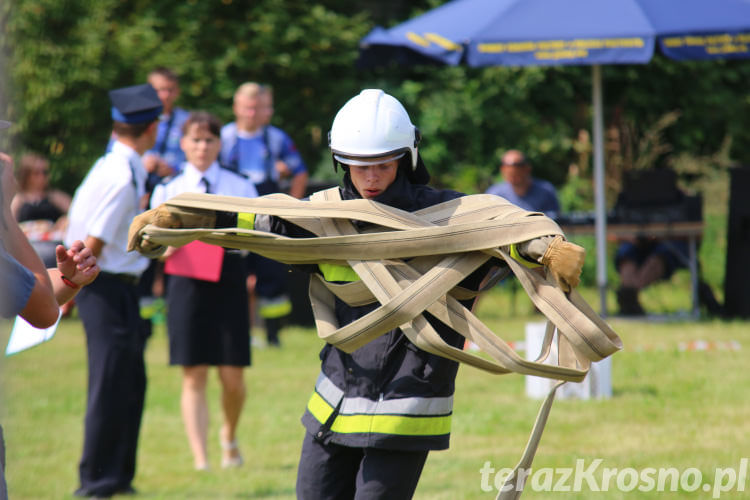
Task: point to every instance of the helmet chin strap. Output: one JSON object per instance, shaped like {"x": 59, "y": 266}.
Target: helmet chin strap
{"x": 418, "y": 174}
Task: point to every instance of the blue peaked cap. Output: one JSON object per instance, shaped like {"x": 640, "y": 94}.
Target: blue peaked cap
{"x": 135, "y": 104}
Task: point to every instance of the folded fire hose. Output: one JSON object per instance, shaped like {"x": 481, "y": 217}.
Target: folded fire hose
{"x": 412, "y": 262}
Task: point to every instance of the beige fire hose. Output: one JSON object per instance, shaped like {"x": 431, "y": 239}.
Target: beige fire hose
{"x": 412, "y": 262}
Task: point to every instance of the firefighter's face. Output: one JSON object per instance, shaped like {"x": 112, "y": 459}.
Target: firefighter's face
{"x": 371, "y": 180}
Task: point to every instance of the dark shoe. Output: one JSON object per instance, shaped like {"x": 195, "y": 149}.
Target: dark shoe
{"x": 627, "y": 300}
{"x": 273, "y": 325}
{"x": 82, "y": 493}
{"x": 128, "y": 490}
{"x": 85, "y": 493}
{"x": 707, "y": 299}
{"x": 274, "y": 342}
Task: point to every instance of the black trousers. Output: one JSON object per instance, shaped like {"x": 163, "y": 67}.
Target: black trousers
{"x": 273, "y": 276}
{"x": 335, "y": 472}
{"x": 115, "y": 341}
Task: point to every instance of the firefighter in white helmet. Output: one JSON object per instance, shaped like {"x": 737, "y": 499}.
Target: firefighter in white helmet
{"x": 375, "y": 413}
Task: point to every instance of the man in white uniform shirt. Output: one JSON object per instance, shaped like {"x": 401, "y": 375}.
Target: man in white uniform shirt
{"x": 103, "y": 207}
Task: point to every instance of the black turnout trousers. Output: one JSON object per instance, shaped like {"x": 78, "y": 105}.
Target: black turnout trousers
{"x": 335, "y": 472}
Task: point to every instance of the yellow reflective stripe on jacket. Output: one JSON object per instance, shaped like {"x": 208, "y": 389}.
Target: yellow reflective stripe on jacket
{"x": 246, "y": 220}
{"x": 319, "y": 408}
{"x": 517, "y": 257}
{"x": 392, "y": 424}
{"x": 402, "y": 425}
{"x": 336, "y": 272}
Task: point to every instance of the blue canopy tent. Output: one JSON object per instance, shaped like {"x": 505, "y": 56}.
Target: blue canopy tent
{"x": 570, "y": 32}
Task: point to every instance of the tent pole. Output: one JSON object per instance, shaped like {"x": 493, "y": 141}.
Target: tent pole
{"x": 600, "y": 208}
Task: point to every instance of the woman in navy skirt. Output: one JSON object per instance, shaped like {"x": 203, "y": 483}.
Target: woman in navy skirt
{"x": 207, "y": 321}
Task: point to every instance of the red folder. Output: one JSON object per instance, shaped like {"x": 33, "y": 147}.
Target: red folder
{"x": 196, "y": 260}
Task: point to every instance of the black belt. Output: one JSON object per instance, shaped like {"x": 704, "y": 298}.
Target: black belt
{"x": 128, "y": 279}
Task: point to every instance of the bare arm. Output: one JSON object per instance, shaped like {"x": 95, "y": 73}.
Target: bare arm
{"x": 16, "y": 204}
{"x": 41, "y": 309}
{"x": 298, "y": 185}
{"x": 77, "y": 265}
{"x": 61, "y": 200}
{"x": 95, "y": 245}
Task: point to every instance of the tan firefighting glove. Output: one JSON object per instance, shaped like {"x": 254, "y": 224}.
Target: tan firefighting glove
{"x": 167, "y": 217}
{"x": 565, "y": 262}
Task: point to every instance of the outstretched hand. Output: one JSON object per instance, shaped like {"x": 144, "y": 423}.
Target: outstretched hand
{"x": 565, "y": 262}
{"x": 169, "y": 217}
{"x": 77, "y": 263}
{"x": 159, "y": 216}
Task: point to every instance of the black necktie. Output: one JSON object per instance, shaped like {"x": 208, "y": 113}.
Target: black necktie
{"x": 165, "y": 139}
{"x": 205, "y": 182}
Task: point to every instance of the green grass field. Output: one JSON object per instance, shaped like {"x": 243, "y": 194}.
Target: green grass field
{"x": 671, "y": 408}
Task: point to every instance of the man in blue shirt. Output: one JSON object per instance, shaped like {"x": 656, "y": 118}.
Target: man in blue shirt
{"x": 268, "y": 157}
{"x": 521, "y": 189}
{"x": 166, "y": 157}
{"x": 262, "y": 152}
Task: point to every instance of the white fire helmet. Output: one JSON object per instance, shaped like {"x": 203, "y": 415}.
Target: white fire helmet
{"x": 372, "y": 124}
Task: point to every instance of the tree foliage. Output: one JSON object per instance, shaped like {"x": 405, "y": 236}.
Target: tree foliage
{"x": 66, "y": 54}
